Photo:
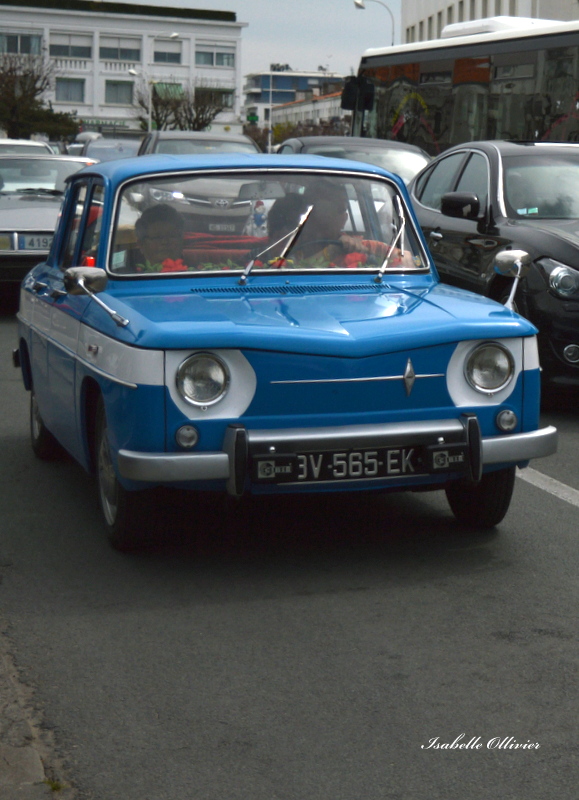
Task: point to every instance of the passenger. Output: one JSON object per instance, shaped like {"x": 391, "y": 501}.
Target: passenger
{"x": 159, "y": 232}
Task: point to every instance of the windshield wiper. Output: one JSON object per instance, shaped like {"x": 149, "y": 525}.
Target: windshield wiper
{"x": 291, "y": 237}
{"x": 398, "y": 238}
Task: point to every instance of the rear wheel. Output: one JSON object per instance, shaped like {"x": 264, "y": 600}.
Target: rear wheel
{"x": 123, "y": 511}
{"x": 483, "y": 504}
{"x": 44, "y": 445}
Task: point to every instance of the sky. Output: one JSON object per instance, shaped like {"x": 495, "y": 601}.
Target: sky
{"x": 305, "y": 33}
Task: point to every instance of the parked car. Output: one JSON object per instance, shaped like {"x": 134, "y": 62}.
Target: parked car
{"x": 23, "y": 147}
{"x": 105, "y": 149}
{"x": 481, "y": 198}
{"x": 405, "y": 160}
{"x": 181, "y": 143}
{"x": 325, "y": 356}
{"x": 31, "y": 192}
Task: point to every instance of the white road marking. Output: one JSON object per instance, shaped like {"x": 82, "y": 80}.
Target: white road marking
{"x": 556, "y": 488}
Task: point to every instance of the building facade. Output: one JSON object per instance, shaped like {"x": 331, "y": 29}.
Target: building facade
{"x": 323, "y": 111}
{"x": 281, "y": 85}
{"x": 423, "y": 20}
{"x": 106, "y": 54}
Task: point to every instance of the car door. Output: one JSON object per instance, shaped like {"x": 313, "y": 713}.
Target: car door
{"x": 57, "y": 314}
{"x": 463, "y": 249}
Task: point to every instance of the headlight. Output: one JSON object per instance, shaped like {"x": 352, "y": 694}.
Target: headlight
{"x": 162, "y": 196}
{"x": 489, "y": 368}
{"x": 203, "y": 379}
{"x": 563, "y": 280}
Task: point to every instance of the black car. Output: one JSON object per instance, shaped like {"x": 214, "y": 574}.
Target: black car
{"x": 403, "y": 159}
{"x": 480, "y": 198}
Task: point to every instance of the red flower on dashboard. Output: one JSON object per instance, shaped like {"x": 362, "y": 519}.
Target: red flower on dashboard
{"x": 355, "y": 259}
{"x": 173, "y": 265}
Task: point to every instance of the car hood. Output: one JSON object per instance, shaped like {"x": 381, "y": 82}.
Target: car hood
{"x": 29, "y": 212}
{"x": 333, "y": 320}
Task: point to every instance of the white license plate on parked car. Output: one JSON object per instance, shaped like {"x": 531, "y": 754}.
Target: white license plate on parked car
{"x": 34, "y": 241}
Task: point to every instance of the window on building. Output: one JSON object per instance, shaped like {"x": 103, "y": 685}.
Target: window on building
{"x": 512, "y": 8}
{"x": 450, "y": 15}
{"x": 64, "y": 45}
{"x": 24, "y": 44}
{"x": 439, "y": 24}
{"x": 430, "y": 27}
{"x": 69, "y": 90}
{"x": 115, "y": 48}
{"x": 461, "y": 11}
{"x": 119, "y": 93}
{"x": 214, "y": 58}
{"x": 485, "y": 9}
{"x": 421, "y": 30}
{"x": 498, "y": 8}
{"x": 167, "y": 52}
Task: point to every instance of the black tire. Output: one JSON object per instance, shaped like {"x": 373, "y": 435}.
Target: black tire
{"x": 124, "y": 512}
{"x": 484, "y": 504}
{"x": 44, "y": 445}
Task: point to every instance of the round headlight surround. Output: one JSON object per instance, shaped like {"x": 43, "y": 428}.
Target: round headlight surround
{"x": 479, "y": 362}
{"x": 199, "y": 382}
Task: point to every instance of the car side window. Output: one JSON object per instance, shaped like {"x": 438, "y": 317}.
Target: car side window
{"x": 475, "y": 178}
{"x": 79, "y": 200}
{"x": 439, "y": 180}
{"x": 93, "y": 225}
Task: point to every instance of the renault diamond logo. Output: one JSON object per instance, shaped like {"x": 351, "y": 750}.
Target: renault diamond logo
{"x": 409, "y": 377}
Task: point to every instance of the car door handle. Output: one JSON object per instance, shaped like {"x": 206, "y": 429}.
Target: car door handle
{"x": 436, "y": 235}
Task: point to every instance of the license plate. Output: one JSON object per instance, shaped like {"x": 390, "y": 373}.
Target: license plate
{"x": 34, "y": 241}
{"x": 360, "y": 465}
{"x": 221, "y": 227}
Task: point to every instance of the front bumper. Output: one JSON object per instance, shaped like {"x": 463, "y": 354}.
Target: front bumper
{"x": 241, "y": 445}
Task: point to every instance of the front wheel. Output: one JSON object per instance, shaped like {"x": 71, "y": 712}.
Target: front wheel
{"x": 123, "y": 511}
{"x": 483, "y": 504}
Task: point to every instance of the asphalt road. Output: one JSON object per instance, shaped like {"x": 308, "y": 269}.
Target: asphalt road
{"x": 310, "y": 650}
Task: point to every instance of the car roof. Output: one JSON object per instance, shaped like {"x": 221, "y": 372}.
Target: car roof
{"x": 47, "y": 156}
{"x": 357, "y": 141}
{"x": 124, "y": 169}
{"x": 214, "y": 137}
{"x": 507, "y": 147}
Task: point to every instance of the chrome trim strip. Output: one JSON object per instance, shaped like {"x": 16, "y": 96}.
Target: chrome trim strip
{"x": 360, "y": 380}
{"x": 520, "y": 446}
{"x": 169, "y": 467}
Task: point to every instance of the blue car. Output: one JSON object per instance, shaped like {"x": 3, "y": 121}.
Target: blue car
{"x": 260, "y": 324}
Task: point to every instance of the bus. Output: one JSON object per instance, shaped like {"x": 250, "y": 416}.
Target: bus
{"x": 498, "y": 78}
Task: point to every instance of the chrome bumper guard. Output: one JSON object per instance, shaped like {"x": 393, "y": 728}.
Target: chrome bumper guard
{"x": 240, "y": 444}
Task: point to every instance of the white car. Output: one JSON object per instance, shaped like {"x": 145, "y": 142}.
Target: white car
{"x": 24, "y": 146}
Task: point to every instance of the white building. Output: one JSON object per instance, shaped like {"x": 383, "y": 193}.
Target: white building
{"x": 422, "y": 20}
{"x": 106, "y": 53}
{"x": 322, "y": 110}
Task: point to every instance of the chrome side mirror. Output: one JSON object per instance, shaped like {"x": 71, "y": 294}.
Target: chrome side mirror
{"x": 90, "y": 281}
{"x": 512, "y": 264}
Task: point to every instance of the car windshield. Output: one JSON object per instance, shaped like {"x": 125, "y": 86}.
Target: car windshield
{"x": 542, "y": 186}
{"x": 402, "y": 162}
{"x": 22, "y": 175}
{"x": 255, "y": 221}
{"x": 182, "y": 147}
